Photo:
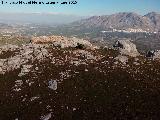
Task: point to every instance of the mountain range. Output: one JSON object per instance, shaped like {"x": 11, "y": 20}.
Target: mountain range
{"x": 123, "y": 20}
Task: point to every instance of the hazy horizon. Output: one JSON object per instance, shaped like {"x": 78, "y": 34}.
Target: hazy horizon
{"x": 63, "y": 14}
{"x": 44, "y": 17}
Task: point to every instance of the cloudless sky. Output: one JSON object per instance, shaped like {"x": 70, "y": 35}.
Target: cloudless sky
{"x": 86, "y": 7}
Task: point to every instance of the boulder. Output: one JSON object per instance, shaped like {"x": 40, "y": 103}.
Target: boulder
{"x": 126, "y": 47}
{"x": 52, "y": 84}
{"x": 156, "y": 54}
{"x": 150, "y": 53}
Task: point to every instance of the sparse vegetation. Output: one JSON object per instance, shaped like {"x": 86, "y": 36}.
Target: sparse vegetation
{"x": 98, "y": 89}
{"x": 80, "y": 46}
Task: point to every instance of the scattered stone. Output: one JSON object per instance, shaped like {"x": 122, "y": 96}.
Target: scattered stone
{"x": 18, "y": 83}
{"x": 136, "y": 63}
{"x": 17, "y": 86}
{"x": 36, "y": 68}
{"x": 17, "y": 89}
{"x": 74, "y": 109}
{"x": 46, "y": 117}
{"x": 34, "y": 98}
{"x": 136, "y": 59}
{"x": 53, "y": 84}
{"x": 25, "y": 70}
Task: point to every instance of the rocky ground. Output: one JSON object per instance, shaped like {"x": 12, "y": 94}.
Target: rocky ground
{"x": 79, "y": 81}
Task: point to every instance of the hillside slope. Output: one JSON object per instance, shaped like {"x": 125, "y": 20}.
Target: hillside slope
{"x": 77, "y": 83}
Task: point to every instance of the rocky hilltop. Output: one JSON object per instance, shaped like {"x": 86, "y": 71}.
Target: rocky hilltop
{"x": 62, "y": 41}
{"x": 46, "y": 81}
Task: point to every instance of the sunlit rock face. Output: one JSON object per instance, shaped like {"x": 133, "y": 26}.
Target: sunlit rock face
{"x": 126, "y": 47}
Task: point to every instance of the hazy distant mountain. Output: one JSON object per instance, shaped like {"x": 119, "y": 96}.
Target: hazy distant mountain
{"x": 124, "y": 20}
{"x": 38, "y": 18}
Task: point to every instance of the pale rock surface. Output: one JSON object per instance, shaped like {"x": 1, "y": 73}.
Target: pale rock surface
{"x": 29, "y": 52}
{"x": 62, "y": 42}
{"x": 25, "y": 70}
{"x": 52, "y": 84}
{"x": 8, "y": 47}
{"x": 156, "y": 55}
{"x": 126, "y": 47}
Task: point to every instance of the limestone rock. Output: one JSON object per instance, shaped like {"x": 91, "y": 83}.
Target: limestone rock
{"x": 53, "y": 84}
{"x": 156, "y": 54}
{"x": 8, "y": 47}
{"x": 28, "y": 52}
{"x": 126, "y": 47}
{"x": 62, "y": 42}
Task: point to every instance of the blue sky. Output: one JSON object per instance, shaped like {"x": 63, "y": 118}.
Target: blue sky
{"x": 87, "y": 7}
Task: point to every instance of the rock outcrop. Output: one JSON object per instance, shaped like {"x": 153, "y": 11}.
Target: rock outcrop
{"x": 23, "y": 56}
{"x": 30, "y": 52}
{"x": 150, "y": 53}
{"x": 8, "y": 47}
{"x": 62, "y": 42}
{"x": 126, "y": 47}
{"x": 156, "y": 54}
